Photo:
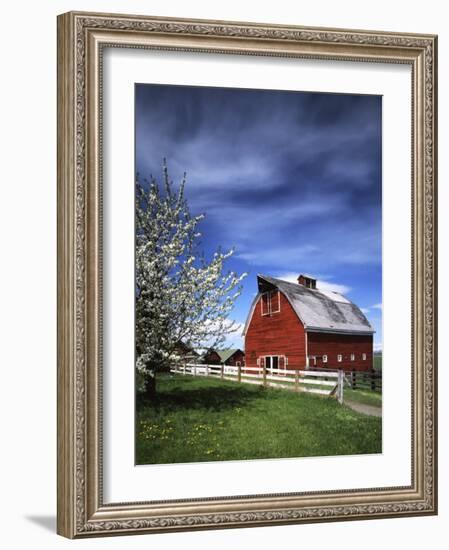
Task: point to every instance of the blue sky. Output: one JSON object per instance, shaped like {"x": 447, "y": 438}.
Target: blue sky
{"x": 291, "y": 180}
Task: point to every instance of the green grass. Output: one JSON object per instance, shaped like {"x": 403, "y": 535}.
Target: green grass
{"x": 378, "y": 362}
{"x": 366, "y": 397}
{"x": 204, "y": 419}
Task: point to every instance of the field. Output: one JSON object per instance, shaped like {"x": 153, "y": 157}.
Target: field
{"x": 365, "y": 397}
{"x": 377, "y": 361}
{"x": 203, "y": 419}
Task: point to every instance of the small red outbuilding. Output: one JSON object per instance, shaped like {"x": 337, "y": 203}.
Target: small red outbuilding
{"x": 300, "y": 326}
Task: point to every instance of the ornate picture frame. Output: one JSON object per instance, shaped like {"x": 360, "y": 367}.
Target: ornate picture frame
{"x": 82, "y": 39}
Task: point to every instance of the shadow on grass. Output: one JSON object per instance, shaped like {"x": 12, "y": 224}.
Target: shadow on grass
{"x": 210, "y": 398}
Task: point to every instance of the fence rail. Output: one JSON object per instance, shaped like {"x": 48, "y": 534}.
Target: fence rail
{"x": 329, "y": 383}
{"x": 359, "y": 380}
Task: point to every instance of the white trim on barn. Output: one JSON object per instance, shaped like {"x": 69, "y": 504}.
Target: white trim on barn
{"x": 264, "y": 298}
{"x": 307, "y": 349}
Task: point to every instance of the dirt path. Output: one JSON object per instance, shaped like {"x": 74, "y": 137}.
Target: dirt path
{"x": 370, "y": 410}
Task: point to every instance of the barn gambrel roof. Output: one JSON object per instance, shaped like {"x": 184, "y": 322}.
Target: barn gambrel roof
{"x": 319, "y": 310}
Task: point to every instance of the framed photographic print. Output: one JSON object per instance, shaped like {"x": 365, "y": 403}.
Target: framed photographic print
{"x": 246, "y": 274}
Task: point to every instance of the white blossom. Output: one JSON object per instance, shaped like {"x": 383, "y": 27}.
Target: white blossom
{"x": 180, "y": 295}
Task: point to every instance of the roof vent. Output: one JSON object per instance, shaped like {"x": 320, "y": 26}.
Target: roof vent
{"x": 307, "y": 281}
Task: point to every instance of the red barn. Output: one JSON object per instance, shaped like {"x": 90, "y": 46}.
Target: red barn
{"x": 232, "y": 356}
{"x": 211, "y": 357}
{"x": 299, "y": 326}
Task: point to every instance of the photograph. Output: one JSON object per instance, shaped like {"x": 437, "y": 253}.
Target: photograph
{"x": 258, "y": 274}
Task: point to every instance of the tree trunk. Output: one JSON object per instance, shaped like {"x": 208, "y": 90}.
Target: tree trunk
{"x": 150, "y": 386}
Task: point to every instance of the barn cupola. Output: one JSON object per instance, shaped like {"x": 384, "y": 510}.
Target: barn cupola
{"x": 307, "y": 281}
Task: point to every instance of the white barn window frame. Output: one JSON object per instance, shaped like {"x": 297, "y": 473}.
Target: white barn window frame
{"x": 267, "y": 299}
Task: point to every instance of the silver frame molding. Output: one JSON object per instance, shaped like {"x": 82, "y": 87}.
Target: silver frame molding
{"x": 81, "y": 38}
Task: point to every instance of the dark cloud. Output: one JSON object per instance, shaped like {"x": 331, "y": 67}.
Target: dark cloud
{"x": 291, "y": 180}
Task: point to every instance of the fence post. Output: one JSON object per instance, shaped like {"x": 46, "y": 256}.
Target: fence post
{"x": 373, "y": 381}
{"x": 264, "y": 374}
{"x": 296, "y": 380}
{"x": 239, "y": 373}
{"x": 222, "y": 371}
{"x": 340, "y": 386}
{"x": 194, "y": 370}
{"x": 207, "y": 370}
{"x": 184, "y": 369}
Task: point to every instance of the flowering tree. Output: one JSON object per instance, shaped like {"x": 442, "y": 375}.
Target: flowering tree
{"x": 180, "y": 297}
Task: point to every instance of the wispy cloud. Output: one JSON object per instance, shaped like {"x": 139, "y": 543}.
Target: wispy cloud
{"x": 319, "y": 249}
{"x": 235, "y": 339}
{"x": 321, "y": 284}
{"x": 333, "y": 287}
{"x": 277, "y": 256}
{"x": 291, "y": 180}
{"x": 377, "y": 306}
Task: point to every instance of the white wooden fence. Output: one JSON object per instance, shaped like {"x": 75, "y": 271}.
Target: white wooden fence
{"x": 328, "y": 383}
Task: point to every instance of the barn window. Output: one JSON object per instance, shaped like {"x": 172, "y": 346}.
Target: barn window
{"x": 324, "y": 358}
{"x": 364, "y": 356}
{"x": 272, "y": 362}
{"x": 276, "y": 364}
{"x": 339, "y": 358}
{"x": 270, "y": 302}
{"x": 275, "y": 301}
{"x": 265, "y": 303}
{"x": 352, "y": 356}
